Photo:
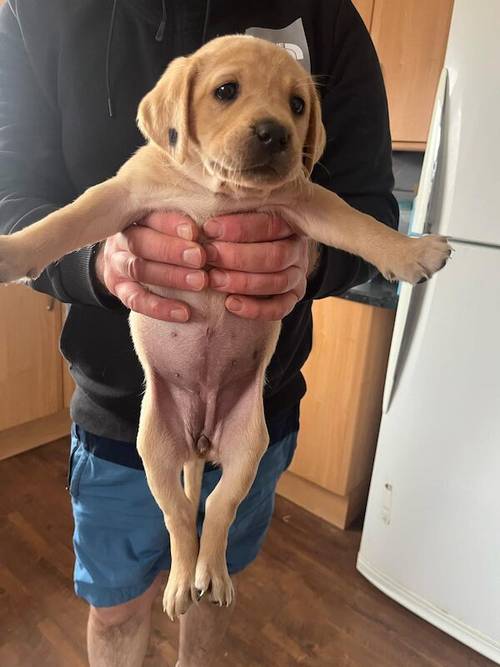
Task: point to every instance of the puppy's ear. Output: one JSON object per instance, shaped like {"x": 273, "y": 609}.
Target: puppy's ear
{"x": 316, "y": 136}
{"x": 163, "y": 115}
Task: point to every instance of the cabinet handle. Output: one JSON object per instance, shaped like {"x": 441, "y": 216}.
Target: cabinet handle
{"x": 50, "y": 304}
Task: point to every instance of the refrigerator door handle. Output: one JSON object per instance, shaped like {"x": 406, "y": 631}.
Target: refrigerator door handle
{"x": 418, "y": 227}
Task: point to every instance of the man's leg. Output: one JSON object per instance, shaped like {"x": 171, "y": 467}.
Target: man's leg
{"x": 202, "y": 632}
{"x": 120, "y": 544}
{"x": 118, "y": 636}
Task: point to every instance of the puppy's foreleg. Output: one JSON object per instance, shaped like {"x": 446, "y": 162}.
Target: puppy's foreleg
{"x": 101, "y": 211}
{"x": 325, "y": 217}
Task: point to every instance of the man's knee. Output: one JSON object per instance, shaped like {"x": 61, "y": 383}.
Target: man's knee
{"x": 129, "y": 612}
{"x": 121, "y": 614}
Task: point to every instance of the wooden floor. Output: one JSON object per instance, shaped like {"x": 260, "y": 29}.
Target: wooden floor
{"x": 302, "y": 603}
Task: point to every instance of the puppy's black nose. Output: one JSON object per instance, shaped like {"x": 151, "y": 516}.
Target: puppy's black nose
{"x": 272, "y": 135}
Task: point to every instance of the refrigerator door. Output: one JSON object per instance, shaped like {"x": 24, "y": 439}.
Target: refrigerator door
{"x": 468, "y": 179}
{"x": 419, "y": 224}
{"x": 431, "y": 538}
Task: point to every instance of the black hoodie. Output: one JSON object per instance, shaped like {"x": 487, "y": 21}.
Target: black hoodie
{"x": 71, "y": 76}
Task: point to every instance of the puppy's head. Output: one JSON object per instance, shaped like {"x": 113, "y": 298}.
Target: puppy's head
{"x": 241, "y": 107}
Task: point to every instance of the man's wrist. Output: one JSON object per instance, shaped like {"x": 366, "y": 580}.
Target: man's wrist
{"x": 98, "y": 263}
{"x": 317, "y": 259}
{"x": 97, "y": 276}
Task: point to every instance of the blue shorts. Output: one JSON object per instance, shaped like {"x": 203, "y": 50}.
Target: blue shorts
{"x": 120, "y": 540}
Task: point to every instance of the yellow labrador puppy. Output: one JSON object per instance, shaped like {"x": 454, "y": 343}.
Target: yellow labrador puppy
{"x": 236, "y": 126}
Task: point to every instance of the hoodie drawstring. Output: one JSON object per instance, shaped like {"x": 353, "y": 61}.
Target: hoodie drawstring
{"x": 205, "y": 23}
{"x": 160, "y": 34}
{"x": 108, "y": 59}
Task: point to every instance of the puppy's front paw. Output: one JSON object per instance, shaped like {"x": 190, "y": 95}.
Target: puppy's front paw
{"x": 418, "y": 259}
{"x": 13, "y": 264}
{"x": 212, "y": 578}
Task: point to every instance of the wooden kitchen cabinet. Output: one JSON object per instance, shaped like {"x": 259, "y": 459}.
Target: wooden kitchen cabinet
{"x": 410, "y": 37}
{"x": 341, "y": 411}
{"x": 32, "y": 409}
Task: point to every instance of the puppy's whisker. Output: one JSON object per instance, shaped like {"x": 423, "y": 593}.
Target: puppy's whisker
{"x": 314, "y": 81}
{"x": 306, "y": 154}
{"x": 306, "y": 83}
{"x": 320, "y": 164}
{"x": 316, "y": 78}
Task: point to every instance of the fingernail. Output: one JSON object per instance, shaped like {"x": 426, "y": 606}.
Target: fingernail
{"x": 196, "y": 279}
{"x": 212, "y": 229}
{"x": 234, "y": 304}
{"x": 218, "y": 278}
{"x": 192, "y": 256}
{"x": 184, "y": 231}
{"x": 211, "y": 251}
{"x": 179, "y": 315}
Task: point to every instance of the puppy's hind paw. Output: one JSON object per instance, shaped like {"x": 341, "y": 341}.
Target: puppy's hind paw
{"x": 214, "y": 582}
{"x": 179, "y": 594}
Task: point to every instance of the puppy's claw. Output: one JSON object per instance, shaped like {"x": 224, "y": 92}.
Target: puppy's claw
{"x": 198, "y": 594}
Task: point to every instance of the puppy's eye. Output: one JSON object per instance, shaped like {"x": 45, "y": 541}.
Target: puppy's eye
{"x": 227, "y": 92}
{"x": 298, "y": 105}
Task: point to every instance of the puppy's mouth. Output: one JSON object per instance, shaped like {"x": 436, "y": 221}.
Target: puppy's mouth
{"x": 262, "y": 169}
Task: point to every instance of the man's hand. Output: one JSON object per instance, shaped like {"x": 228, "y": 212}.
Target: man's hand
{"x": 253, "y": 257}
{"x": 160, "y": 250}
{"x": 259, "y": 262}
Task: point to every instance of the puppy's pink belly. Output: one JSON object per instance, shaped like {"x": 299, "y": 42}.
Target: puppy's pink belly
{"x": 201, "y": 368}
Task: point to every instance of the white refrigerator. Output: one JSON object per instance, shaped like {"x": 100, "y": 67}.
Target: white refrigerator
{"x": 431, "y": 538}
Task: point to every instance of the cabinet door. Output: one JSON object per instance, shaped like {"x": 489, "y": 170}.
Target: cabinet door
{"x": 30, "y": 365}
{"x": 341, "y": 411}
{"x": 365, "y": 8}
{"x": 410, "y": 37}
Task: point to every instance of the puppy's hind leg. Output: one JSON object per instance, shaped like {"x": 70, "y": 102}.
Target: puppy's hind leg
{"x": 193, "y": 475}
{"x": 164, "y": 451}
{"x": 242, "y": 443}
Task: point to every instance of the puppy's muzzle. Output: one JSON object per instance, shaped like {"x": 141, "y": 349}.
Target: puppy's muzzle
{"x": 271, "y": 137}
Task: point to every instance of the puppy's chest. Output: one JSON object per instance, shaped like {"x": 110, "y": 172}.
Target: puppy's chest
{"x": 201, "y": 208}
